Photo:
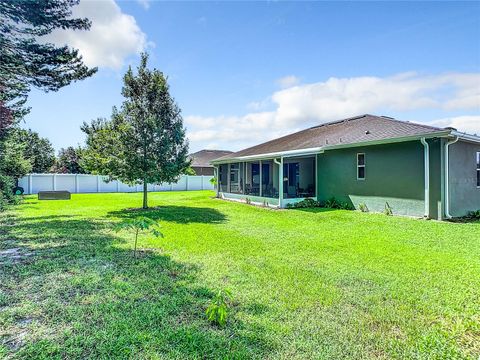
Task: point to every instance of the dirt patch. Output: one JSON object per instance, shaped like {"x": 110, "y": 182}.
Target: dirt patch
{"x": 14, "y": 255}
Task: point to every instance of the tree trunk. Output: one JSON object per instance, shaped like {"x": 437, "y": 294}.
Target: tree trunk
{"x": 145, "y": 204}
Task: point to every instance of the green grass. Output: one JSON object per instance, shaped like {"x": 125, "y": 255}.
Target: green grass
{"x": 305, "y": 283}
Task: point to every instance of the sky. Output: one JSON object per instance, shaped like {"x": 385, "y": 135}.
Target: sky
{"x": 247, "y": 72}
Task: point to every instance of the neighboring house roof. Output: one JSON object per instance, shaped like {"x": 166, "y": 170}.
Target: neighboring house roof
{"x": 353, "y": 131}
{"x": 203, "y": 158}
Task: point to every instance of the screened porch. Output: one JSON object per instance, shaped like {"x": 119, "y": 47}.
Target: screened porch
{"x": 294, "y": 177}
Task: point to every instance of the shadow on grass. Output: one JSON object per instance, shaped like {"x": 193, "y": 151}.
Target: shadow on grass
{"x": 178, "y": 214}
{"x": 78, "y": 295}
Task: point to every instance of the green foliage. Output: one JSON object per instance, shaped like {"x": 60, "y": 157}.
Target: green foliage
{"x": 248, "y": 201}
{"x": 137, "y": 224}
{"x": 189, "y": 171}
{"x": 6, "y": 194}
{"x": 144, "y": 142}
{"x": 363, "y": 207}
{"x": 305, "y": 203}
{"x": 69, "y": 161}
{"x": 333, "y": 203}
{"x": 217, "y": 310}
{"x": 27, "y": 61}
{"x": 388, "y": 209}
{"x": 474, "y": 214}
{"x": 39, "y": 151}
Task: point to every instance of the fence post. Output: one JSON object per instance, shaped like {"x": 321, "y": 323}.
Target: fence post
{"x": 98, "y": 183}
{"x": 30, "y": 184}
{"x": 202, "y": 182}
{"x": 76, "y": 184}
{"x": 118, "y": 186}
{"x": 186, "y": 182}
{"x": 54, "y": 180}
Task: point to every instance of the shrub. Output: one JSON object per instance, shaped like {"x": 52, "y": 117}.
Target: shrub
{"x": 305, "y": 203}
{"x": 388, "y": 210}
{"x": 217, "y": 311}
{"x": 333, "y": 203}
{"x": 474, "y": 214}
{"x": 363, "y": 207}
{"x": 6, "y": 193}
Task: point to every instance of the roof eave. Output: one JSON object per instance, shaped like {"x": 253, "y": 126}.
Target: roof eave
{"x": 318, "y": 150}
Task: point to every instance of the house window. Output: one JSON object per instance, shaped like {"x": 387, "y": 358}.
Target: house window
{"x": 360, "y": 166}
{"x": 478, "y": 169}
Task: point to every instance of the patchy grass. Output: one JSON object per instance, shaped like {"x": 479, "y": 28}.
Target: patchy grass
{"x": 305, "y": 283}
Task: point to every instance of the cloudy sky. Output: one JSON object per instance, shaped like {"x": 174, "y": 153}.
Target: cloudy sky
{"x": 244, "y": 73}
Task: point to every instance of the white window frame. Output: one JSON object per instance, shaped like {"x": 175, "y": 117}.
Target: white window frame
{"x": 362, "y": 166}
{"x": 477, "y": 173}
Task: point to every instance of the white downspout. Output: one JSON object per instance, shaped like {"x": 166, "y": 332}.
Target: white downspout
{"x": 426, "y": 155}
{"x": 280, "y": 180}
{"x": 447, "y": 191}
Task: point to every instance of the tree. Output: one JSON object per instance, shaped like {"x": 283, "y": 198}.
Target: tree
{"x": 139, "y": 223}
{"x": 39, "y": 151}
{"x": 69, "y": 161}
{"x": 26, "y": 62}
{"x": 144, "y": 142}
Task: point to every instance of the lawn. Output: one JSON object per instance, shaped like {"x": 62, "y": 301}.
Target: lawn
{"x": 305, "y": 283}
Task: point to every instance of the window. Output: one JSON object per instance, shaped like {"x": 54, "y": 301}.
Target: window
{"x": 478, "y": 169}
{"x": 360, "y": 166}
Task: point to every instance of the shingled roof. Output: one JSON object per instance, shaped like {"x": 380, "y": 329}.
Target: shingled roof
{"x": 359, "y": 129}
{"x": 202, "y": 158}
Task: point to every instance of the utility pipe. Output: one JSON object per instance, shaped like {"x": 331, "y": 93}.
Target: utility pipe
{"x": 426, "y": 155}
{"x": 447, "y": 180}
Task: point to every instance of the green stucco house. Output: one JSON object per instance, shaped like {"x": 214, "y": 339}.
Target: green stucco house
{"x": 418, "y": 170}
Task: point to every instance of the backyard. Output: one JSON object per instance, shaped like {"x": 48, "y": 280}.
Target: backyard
{"x": 306, "y": 283}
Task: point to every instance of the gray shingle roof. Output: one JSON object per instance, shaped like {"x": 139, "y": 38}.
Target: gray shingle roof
{"x": 353, "y": 130}
{"x": 202, "y": 158}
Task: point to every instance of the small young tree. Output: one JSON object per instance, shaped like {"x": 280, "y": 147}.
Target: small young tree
{"x": 139, "y": 223}
{"x": 144, "y": 142}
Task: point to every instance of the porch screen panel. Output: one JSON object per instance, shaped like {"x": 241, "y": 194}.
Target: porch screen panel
{"x": 223, "y": 177}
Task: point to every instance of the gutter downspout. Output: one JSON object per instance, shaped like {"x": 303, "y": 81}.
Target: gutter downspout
{"x": 426, "y": 155}
{"x": 447, "y": 190}
{"x": 280, "y": 180}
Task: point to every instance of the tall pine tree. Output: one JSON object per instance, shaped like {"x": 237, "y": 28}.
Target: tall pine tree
{"x": 26, "y": 62}
{"x": 144, "y": 142}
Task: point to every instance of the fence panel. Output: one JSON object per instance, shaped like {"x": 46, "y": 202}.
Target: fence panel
{"x": 82, "y": 183}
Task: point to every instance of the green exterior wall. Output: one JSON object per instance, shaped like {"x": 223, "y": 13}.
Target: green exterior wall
{"x": 394, "y": 175}
{"x": 464, "y": 194}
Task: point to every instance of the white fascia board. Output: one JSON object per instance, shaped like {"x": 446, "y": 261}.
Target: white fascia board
{"x": 466, "y": 137}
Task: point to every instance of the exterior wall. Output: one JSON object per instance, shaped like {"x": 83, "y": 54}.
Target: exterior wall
{"x": 437, "y": 174}
{"x": 464, "y": 194}
{"x": 394, "y": 174}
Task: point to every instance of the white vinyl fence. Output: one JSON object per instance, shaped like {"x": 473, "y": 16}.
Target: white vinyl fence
{"x": 80, "y": 183}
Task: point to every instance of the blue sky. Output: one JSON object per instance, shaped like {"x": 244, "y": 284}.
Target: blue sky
{"x": 245, "y": 72}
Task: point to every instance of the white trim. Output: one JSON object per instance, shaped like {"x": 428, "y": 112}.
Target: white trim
{"x": 426, "y": 157}
{"x": 466, "y": 137}
{"x": 477, "y": 168}
{"x": 360, "y": 166}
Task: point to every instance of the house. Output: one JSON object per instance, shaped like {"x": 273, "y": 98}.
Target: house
{"x": 418, "y": 170}
{"x": 201, "y": 160}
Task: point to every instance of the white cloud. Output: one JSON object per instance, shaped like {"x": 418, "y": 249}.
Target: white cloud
{"x": 144, "y": 3}
{"x": 288, "y": 81}
{"x": 113, "y": 37}
{"x": 467, "y": 123}
{"x": 301, "y": 106}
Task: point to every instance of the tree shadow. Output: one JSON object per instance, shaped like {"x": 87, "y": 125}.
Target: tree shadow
{"x": 80, "y": 294}
{"x": 177, "y": 214}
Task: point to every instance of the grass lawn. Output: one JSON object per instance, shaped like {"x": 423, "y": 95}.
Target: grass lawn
{"x": 305, "y": 283}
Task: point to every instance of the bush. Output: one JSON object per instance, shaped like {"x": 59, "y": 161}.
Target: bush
{"x": 6, "y": 193}
{"x": 217, "y": 311}
{"x": 306, "y": 203}
{"x": 388, "y": 209}
{"x": 474, "y": 215}
{"x": 363, "y": 207}
{"x": 333, "y": 203}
